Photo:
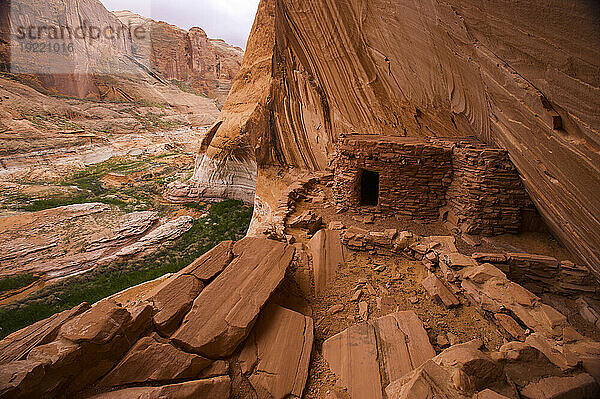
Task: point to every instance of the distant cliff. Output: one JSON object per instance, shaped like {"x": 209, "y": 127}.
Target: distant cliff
{"x": 189, "y": 61}
{"x": 207, "y": 66}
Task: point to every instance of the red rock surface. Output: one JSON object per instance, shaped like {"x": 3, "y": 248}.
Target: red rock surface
{"x": 327, "y": 257}
{"x": 154, "y": 360}
{"x": 458, "y": 68}
{"x": 218, "y": 387}
{"x": 223, "y": 313}
{"x": 277, "y": 354}
{"x": 353, "y": 355}
{"x": 206, "y": 65}
{"x": 18, "y": 345}
{"x": 109, "y": 346}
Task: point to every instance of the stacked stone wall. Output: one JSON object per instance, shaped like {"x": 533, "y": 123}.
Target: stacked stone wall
{"x": 486, "y": 196}
{"x": 475, "y": 187}
{"x": 413, "y": 176}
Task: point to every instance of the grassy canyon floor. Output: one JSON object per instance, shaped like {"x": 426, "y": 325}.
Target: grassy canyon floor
{"x": 124, "y": 187}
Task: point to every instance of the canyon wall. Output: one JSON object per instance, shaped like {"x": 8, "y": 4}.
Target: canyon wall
{"x": 207, "y": 66}
{"x": 523, "y": 76}
{"x": 189, "y": 61}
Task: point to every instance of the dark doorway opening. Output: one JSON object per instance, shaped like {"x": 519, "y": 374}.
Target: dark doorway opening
{"x": 369, "y": 188}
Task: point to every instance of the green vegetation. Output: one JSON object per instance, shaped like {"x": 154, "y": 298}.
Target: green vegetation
{"x": 14, "y": 283}
{"x": 227, "y": 220}
{"x": 152, "y": 175}
{"x": 41, "y": 121}
{"x": 154, "y": 122}
{"x": 186, "y": 88}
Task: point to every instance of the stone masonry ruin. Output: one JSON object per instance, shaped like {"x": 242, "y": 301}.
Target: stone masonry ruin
{"x": 469, "y": 184}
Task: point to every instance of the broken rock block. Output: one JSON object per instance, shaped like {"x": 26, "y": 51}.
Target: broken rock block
{"x": 459, "y": 372}
{"x": 211, "y": 263}
{"x": 457, "y": 260}
{"x": 363, "y": 310}
{"x": 336, "y": 225}
{"x": 99, "y": 325}
{"x": 489, "y": 394}
{"x": 172, "y": 300}
{"x": 466, "y": 359}
{"x": 588, "y": 311}
{"x": 482, "y": 273}
{"x": 353, "y": 354}
{"x": 224, "y": 312}
{"x": 86, "y": 348}
{"x": 327, "y": 257}
{"x": 511, "y": 326}
{"x": 440, "y": 244}
{"x": 18, "y": 345}
{"x": 440, "y": 292}
{"x": 428, "y": 381}
{"x": 153, "y": 359}
{"x": 218, "y": 387}
{"x": 309, "y": 221}
{"x": 580, "y": 386}
{"x": 276, "y": 356}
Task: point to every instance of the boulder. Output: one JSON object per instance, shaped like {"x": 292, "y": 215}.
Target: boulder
{"x": 511, "y": 326}
{"x": 211, "y": 263}
{"x": 225, "y": 311}
{"x": 481, "y": 273}
{"x": 480, "y": 370}
{"x": 17, "y": 345}
{"x": 99, "y": 325}
{"x": 428, "y": 381}
{"x": 327, "y": 257}
{"x": 457, "y": 261}
{"x": 152, "y": 360}
{"x": 18, "y": 378}
{"x": 276, "y": 357}
{"x": 354, "y": 354}
{"x": 218, "y": 387}
{"x": 336, "y": 225}
{"x": 489, "y": 394}
{"x": 580, "y": 386}
{"x": 307, "y": 220}
{"x": 438, "y": 291}
{"x": 86, "y": 348}
{"x": 172, "y": 300}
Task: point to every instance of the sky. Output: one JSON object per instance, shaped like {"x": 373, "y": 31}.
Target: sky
{"x": 230, "y": 20}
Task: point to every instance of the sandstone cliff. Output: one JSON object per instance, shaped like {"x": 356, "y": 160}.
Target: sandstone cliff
{"x": 189, "y": 61}
{"x": 207, "y": 65}
{"x": 521, "y": 76}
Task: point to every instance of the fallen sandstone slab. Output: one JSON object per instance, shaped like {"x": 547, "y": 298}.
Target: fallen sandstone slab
{"x": 86, "y": 348}
{"x": 327, "y": 257}
{"x": 385, "y": 349}
{"x": 438, "y": 291}
{"x": 224, "y": 312}
{"x": 18, "y": 344}
{"x": 276, "y": 357}
{"x": 218, "y": 387}
{"x": 152, "y": 360}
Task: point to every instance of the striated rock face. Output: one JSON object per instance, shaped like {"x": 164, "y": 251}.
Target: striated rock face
{"x": 277, "y": 353}
{"x": 513, "y": 75}
{"x": 227, "y": 165}
{"x": 192, "y": 61}
{"x": 206, "y": 65}
{"x": 70, "y": 240}
{"x": 384, "y": 350}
